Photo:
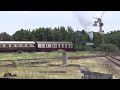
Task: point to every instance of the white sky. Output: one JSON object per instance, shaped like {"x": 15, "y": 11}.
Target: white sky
{"x": 11, "y": 21}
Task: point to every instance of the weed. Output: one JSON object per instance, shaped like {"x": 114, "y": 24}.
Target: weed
{"x": 15, "y": 63}
{"x": 0, "y": 64}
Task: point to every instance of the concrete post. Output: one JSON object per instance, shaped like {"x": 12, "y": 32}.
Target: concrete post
{"x": 65, "y": 58}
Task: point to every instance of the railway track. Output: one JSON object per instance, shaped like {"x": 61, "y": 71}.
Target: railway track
{"x": 114, "y": 60}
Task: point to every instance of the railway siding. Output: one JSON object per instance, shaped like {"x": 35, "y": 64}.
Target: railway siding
{"x": 114, "y": 60}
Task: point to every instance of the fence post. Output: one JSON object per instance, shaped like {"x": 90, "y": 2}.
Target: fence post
{"x": 65, "y": 57}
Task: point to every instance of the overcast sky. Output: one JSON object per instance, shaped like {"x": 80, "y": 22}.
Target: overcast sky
{"x": 11, "y": 21}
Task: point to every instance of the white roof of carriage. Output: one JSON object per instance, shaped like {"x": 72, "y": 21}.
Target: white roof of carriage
{"x": 32, "y": 42}
{"x": 53, "y": 42}
{"x": 5, "y": 42}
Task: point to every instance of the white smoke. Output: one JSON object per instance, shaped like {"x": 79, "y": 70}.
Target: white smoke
{"x": 90, "y": 34}
{"x": 86, "y": 20}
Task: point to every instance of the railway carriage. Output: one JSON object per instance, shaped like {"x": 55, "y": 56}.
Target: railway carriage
{"x": 13, "y": 46}
{"x": 40, "y": 46}
{"x": 52, "y": 46}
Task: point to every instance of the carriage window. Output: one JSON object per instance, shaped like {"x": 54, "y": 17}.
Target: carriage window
{"x": 1, "y": 45}
{"x": 53, "y": 45}
{"x": 71, "y": 45}
{"x": 6, "y": 45}
{"x": 60, "y": 45}
{"x": 28, "y": 45}
{"x": 12, "y": 45}
{"x": 23, "y": 45}
{"x": 67, "y": 45}
{"x": 17, "y": 45}
{"x": 57, "y": 45}
{"x": 64, "y": 45}
{"x": 45, "y": 45}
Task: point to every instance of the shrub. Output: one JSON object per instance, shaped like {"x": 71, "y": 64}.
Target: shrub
{"x": 19, "y": 51}
{"x": 107, "y": 48}
{"x": 0, "y": 64}
{"x": 15, "y": 63}
{"x": 77, "y": 52}
{"x": 60, "y": 50}
{"x": 88, "y": 48}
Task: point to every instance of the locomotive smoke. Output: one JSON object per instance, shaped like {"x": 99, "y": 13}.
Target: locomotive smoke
{"x": 86, "y": 24}
{"x": 82, "y": 20}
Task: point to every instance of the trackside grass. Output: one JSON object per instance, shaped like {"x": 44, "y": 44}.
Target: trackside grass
{"x": 15, "y": 56}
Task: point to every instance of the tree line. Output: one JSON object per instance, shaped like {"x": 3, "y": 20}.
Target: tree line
{"x": 46, "y": 34}
{"x": 61, "y": 34}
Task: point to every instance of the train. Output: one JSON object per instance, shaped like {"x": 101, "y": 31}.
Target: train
{"x": 38, "y": 46}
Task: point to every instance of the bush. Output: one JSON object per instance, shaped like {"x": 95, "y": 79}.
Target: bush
{"x": 19, "y": 51}
{"x": 77, "y": 52}
{"x": 0, "y": 64}
{"x": 78, "y": 47}
{"x": 107, "y": 48}
{"x": 60, "y": 50}
{"x": 88, "y": 48}
{"x": 15, "y": 63}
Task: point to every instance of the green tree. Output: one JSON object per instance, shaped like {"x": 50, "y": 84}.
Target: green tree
{"x": 69, "y": 35}
{"x": 97, "y": 39}
{"x": 5, "y": 37}
{"x": 85, "y": 37}
{"x": 22, "y": 35}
